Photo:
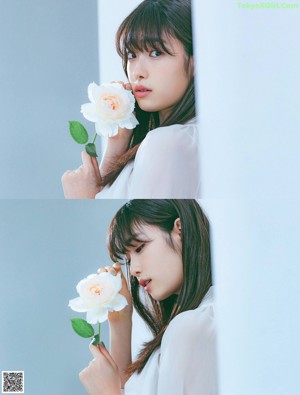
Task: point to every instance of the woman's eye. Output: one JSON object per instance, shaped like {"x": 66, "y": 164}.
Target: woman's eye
{"x": 130, "y": 55}
{"x": 139, "y": 249}
{"x": 155, "y": 54}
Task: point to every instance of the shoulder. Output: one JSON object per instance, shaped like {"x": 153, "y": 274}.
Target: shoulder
{"x": 186, "y": 130}
{"x": 199, "y": 322}
{"x": 172, "y": 133}
{"x": 168, "y": 140}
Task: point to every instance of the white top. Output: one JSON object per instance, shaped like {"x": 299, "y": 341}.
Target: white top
{"x": 186, "y": 362}
{"x": 166, "y": 166}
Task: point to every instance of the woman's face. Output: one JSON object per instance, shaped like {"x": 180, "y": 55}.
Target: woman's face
{"x": 159, "y": 80}
{"x": 156, "y": 261}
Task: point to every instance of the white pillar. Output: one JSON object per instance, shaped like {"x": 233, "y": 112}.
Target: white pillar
{"x": 248, "y": 90}
{"x": 256, "y": 253}
{"x": 248, "y": 78}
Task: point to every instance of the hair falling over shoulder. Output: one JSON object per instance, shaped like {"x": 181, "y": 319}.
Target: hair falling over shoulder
{"x": 143, "y": 30}
{"x": 196, "y": 258}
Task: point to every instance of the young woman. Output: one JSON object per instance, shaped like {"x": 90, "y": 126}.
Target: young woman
{"x": 167, "y": 251}
{"x": 159, "y": 158}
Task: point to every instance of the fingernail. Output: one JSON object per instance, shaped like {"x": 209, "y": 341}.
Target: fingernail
{"x": 95, "y": 340}
{"x": 117, "y": 265}
{"x": 113, "y": 273}
{"x": 102, "y": 344}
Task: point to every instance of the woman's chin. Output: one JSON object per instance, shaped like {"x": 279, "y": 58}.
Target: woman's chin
{"x": 147, "y": 107}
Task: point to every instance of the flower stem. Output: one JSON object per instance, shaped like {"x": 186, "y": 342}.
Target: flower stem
{"x": 94, "y": 139}
{"x": 99, "y": 328}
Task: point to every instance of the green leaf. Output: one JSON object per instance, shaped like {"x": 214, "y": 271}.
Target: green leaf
{"x": 96, "y": 340}
{"x": 82, "y": 328}
{"x": 91, "y": 150}
{"x": 78, "y": 132}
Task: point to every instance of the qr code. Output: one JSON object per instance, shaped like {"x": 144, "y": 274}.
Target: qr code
{"x": 13, "y": 382}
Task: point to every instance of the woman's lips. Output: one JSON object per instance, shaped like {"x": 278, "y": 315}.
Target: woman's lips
{"x": 145, "y": 284}
{"x": 147, "y": 287}
{"x": 142, "y": 91}
{"x": 141, "y": 94}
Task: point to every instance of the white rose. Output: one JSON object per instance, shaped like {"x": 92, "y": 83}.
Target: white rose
{"x": 98, "y": 294}
{"x": 111, "y": 107}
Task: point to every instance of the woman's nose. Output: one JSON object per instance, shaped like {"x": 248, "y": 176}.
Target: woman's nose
{"x": 140, "y": 69}
{"x": 135, "y": 269}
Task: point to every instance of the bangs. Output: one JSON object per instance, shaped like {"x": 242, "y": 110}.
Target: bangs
{"x": 144, "y": 31}
{"x": 124, "y": 232}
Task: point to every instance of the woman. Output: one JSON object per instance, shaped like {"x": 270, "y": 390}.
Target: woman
{"x": 159, "y": 158}
{"x": 166, "y": 247}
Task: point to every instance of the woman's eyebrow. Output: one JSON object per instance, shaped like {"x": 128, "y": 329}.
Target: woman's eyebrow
{"x": 140, "y": 238}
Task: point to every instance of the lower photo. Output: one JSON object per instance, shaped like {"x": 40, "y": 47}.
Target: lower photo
{"x": 107, "y": 298}
{"x": 150, "y": 297}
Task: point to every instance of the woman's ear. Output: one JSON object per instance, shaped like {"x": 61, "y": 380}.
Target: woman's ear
{"x": 177, "y": 227}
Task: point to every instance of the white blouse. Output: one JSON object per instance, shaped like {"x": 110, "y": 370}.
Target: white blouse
{"x": 186, "y": 362}
{"x": 166, "y": 166}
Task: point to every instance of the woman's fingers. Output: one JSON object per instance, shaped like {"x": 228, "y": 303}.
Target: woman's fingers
{"x": 107, "y": 355}
{"x": 100, "y": 353}
{"x": 96, "y": 168}
{"x": 110, "y": 269}
{"x": 126, "y": 85}
{"x": 86, "y": 160}
{"x": 95, "y": 351}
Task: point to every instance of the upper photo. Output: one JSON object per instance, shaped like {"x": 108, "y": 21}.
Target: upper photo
{"x": 148, "y": 99}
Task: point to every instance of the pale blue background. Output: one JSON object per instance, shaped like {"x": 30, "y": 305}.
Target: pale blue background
{"x": 49, "y": 55}
{"x": 46, "y": 247}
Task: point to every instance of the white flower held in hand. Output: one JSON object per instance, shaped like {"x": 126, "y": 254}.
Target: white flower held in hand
{"x": 98, "y": 295}
{"x": 111, "y": 107}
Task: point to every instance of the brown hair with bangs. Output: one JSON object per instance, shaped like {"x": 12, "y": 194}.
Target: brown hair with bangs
{"x": 145, "y": 29}
{"x": 197, "y": 276}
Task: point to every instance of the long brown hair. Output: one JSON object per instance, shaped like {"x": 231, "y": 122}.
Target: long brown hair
{"x": 197, "y": 276}
{"x": 143, "y": 30}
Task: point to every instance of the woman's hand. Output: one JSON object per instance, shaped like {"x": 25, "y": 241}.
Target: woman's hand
{"x": 126, "y": 313}
{"x": 101, "y": 377}
{"x": 85, "y": 182}
{"x": 120, "y": 323}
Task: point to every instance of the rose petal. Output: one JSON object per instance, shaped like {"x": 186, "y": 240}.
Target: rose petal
{"x": 99, "y": 293}
{"x": 94, "y": 92}
{"x": 95, "y": 316}
{"x": 107, "y": 129}
{"x": 116, "y": 281}
{"x": 111, "y": 107}
{"x": 78, "y": 304}
{"x": 89, "y": 111}
{"x": 118, "y": 303}
{"x": 130, "y": 123}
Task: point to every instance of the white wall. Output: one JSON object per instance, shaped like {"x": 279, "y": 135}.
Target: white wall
{"x": 256, "y": 268}
{"x": 249, "y": 95}
{"x": 248, "y": 89}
